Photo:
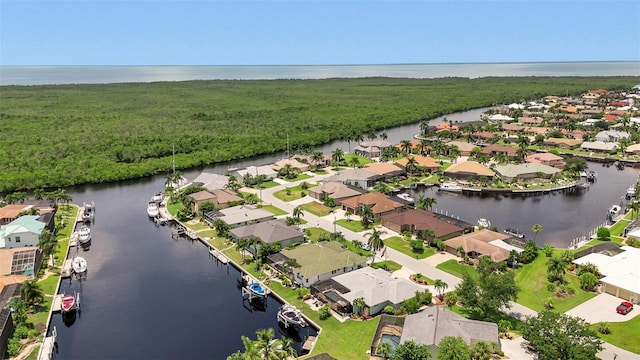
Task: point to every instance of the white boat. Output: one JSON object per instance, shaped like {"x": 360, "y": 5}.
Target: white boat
{"x": 79, "y": 265}
{"x": 88, "y": 214}
{"x": 614, "y": 210}
{"x": 484, "y": 223}
{"x": 450, "y": 186}
{"x": 631, "y": 192}
{"x": 157, "y": 198}
{"x": 406, "y": 197}
{"x": 152, "y": 209}
{"x": 84, "y": 234}
{"x": 289, "y": 315}
{"x": 514, "y": 232}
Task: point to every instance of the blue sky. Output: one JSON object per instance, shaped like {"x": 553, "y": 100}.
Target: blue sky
{"x": 316, "y": 32}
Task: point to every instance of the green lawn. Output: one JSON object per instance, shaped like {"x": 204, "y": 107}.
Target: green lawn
{"x": 363, "y": 160}
{"x": 398, "y": 243}
{"x": 274, "y": 210}
{"x": 173, "y": 208}
{"x": 291, "y": 193}
{"x": 197, "y": 225}
{"x": 208, "y": 233}
{"x": 455, "y": 269}
{"x": 532, "y": 281}
{"x": 302, "y": 176}
{"x": 314, "y": 233}
{"x": 624, "y": 334}
{"x": 618, "y": 227}
{"x": 266, "y": 185}
{"x": 353, "y": 225}
{"x": 388, "y": 265}
{"x": 316, "y": 208}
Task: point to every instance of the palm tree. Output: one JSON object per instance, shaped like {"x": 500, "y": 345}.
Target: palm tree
{"x": 555, "y": 268}
{"x": 375, "y": 241}
{"x": 31, "y": 292}
{"x": 48, "y": 244}
{"x": 337, "y": 155}
{"x": 359, "y": 304}
{"x": 371, "y": 135}
{"x": 317, "y": 157}
{"x": 297, "y": 212}
{"x": 501, "y": 158}
{"x": 366, "y": 216}
{"x": 405, "y": 146}
{"x": 412, "y": 165}
{"x": 440, "y": 287}
{"x": 38, "y": 194}
{"x": 222, "y": 228}
{"x": 536, "y": 229}
{"x": 454, "y": 152}
{"x": 634, "y": 206}
{"x": 266, "y": 347}
{"x": 423, "y": 147}
{"x": 428, "y": 234}
{"x": 383, "y": 135}
{"x": 287, "y": 349}
{"x": 251, "y": 351}
{"x": 242, "y": 244}
{"x": 354, "y": 161}
{"x": 173, "y": 179}
{"x": 424, "y": 126}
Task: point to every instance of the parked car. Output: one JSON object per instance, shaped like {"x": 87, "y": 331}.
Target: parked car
{"x": 365, "y": 246}
{"x": 624, "y": 308}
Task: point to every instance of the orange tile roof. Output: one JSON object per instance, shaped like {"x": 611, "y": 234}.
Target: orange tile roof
{"x": 470, "y": 167}
{"x": 378, "y": 202}
{"x": 382, "y": 168}
{"x": 421, "y": 161}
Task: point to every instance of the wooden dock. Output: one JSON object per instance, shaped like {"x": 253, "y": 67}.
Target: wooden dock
{"x": 309, "y": 344}
{"x": 56, "y": 303}
{"x": 48, "y": 348}
{"x": 220, "y": 257}
{"x": 67, "y": 268}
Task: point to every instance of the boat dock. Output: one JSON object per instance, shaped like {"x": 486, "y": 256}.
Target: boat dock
{"x": 49, "y": 344}
{"x": 219, "y": 256}
{"x": 309, "y": 344}
{"x": 67, "y": 269}
{"x": 56, "y": 303}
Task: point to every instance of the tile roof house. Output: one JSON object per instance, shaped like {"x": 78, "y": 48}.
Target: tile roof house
{"x": 21, "y": 232}
{"x": 512, "y": 127}
{"x": 422, "y": 162}
{"x": 430, "y": 326}
{"x": 525, "y": 171}
{"x": 10, "y": 212}
{"x": 335, "y": 190}
{"x": 468, "y": 169}
{"x": 495, "y": 149}
{"x": 211, "y": 181}
{"x": 598, "y": 146}
{"x": 546, "y": 158}
{"x": 563, "y": 143}
{"x": 633, "y": 149}
{"x": 621, "y": 272}
{"x": 355, "y": 177}
{"x": 220, "y": 198}
{"x": 291, "y": 162}
{"x": 270, "y": 232}
{"x": 377, "y": 287}
{"x": 241, "y": 215}
{"x": 486, "y": 135}
{"x": 371, "y": 148}
{"x": 537, "y": 130}
{"x": 380, "y": 204}
{"x": 611, "y": 136}
{"x": 416, "y": 220}
{"x": 264, "y": 170}
{"x": 385, "y": 169}
{"x": 322, "y": 261}
{"x": 478, "y": 243}
{"x": 531, "y": 121}
{"x": 464, "y": 147}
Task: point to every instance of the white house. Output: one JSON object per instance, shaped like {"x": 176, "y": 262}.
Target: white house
{"x": 611, "y": 136}
{"x": 621, "y": 272}
{"x": 21, "y": 232}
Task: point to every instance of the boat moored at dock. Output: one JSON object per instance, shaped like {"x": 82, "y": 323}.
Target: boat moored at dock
{"x": 152, "y": 209}
{"x": 484, "y": 223}
{"x": 84, "y": 234}
{"x": 514, "y": 232}
{"x": 289, "y": 315}
{"x": 450, "y": 186}
{"x": 614, "y": 210}
{"x": 79, "y": 265}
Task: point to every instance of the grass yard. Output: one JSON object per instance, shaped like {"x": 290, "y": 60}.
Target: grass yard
{"x": 624, "y": 334}
{"x": 302, "y": 176}
{"x": 173, "y": 208}
{"x": 208, "y": 234}
{"x": 400, "y": 244}
{"x": 353, "y": 225}
{"x": 362, "y": 159}
{"x": 274, "y": 210}
{"x": 388, "y": 265}
{"x": 291, "y": 193}
{"x": 197, "y": 225}
{"x": 618, "y": 227}
{"x": 314, "y": 233}
{"x": 266, "y": 185}
{"x": 316, "y": 208}
{"x": 532, "y": 281}
{"x": 455, "y": 269}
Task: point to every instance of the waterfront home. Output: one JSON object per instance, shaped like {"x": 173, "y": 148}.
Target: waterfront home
{"x": 465, "y": 148}
{"x": 621, "y": 272}
{"x": 513, "y": 127}
{"x": 240, "y": 215}
{"x": 598, "y": 146}
{"x": 270, "y": 232}
{"x": 319, "y": 261}
{"x": 335, "y": 190}
{"x": 379, "y": 204}
{"x": 21, "y": 232}
{"x": 211, "y": 181}
{"x": 611, "y": 136}
{"x": 633, "y": 149}
{"x": 308, "y": 159}
{"x": 387, "y": 170}
{"x": 546, "y": 158}
{"x": 486, "y": 136}
{"x": 537, "y": 130}
{"x": 371, "y": 148}
{"x": 11, "y": 212}
{"x": 494, "y": 149}
{"x": 355, "y": 177}
{"x": 377, "y": 287}
{"x": 413, "y": 145}
{"x": 220, "y": 198}
{"x": 416, "y": 221}
{"x": 563, "y": 143}
{"x": 265, "y": 170}
{"x": 19, "y": 264}
{"x": 430, "y": 326}
{"x": 467, "y": 169}
{"x": 531, "y": 121}
{"x": 499, "y": 118}
{"x": 422, "y": 163}
{"x": 293, "y": 163}
{"x": 479, "y": 243}
{"x": 574, "y": 134}
{"x": 509, "y": 172}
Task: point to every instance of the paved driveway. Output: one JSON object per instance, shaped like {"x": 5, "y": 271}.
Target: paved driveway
{"x": 517, "y": 349}
{"x": 602, "y": 308}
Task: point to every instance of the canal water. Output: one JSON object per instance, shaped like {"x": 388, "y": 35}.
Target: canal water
{"x": 147, "y": 296}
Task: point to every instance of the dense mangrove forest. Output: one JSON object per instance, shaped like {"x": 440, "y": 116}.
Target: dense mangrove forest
{"x": 56, "y": 136}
